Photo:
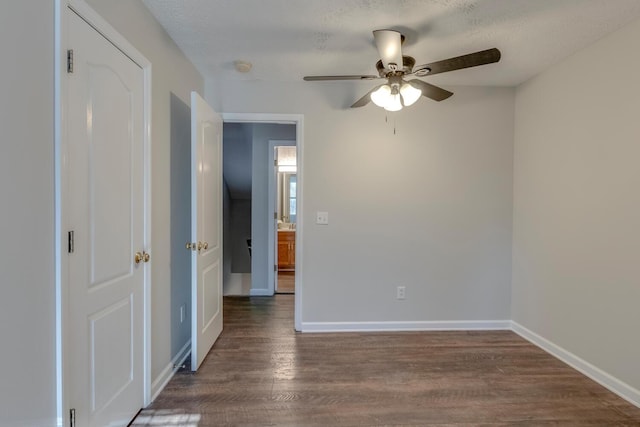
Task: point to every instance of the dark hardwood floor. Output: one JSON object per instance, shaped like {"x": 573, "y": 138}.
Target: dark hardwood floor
{"x": 262, "y": 373}
{"x": 286, "y": 282}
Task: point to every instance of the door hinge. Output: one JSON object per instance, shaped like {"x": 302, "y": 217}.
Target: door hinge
{"x": 275, "y": 215}
{"x": 72, "y": 417}
{"x": 71, "y": 242}
{"x": 70, "y": 61}
{"x": 275, "y": 162}
{"x": 275, "y": 267}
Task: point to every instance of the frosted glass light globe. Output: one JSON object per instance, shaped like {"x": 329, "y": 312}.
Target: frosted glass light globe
{"x": 409, "y": 94}
{"x": 394, "y": 103}
{"x": 381, "y": 96}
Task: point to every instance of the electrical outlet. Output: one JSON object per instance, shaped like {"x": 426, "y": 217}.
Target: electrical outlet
{"x": 400, "y": 292}
{"x": 183, "y": 309}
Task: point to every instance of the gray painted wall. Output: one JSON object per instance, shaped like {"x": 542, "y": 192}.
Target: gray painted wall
{"x": 577, "y": 206}
{"x": 237, "y": 142}
{"x": 180, "y": 200}
{"x": 239, "y": 233}
{"x": 27, "y": 286}
{"x": 238, "y": 153}
{"x": 428, "y": 207}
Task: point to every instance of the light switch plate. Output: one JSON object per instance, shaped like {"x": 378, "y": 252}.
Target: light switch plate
{"x": 322, "y": 218}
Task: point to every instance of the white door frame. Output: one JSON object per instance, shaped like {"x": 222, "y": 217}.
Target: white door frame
{"x": 81, "y": 8}
{"x": 273, "y": 252}
{"x": 298, "y": 120}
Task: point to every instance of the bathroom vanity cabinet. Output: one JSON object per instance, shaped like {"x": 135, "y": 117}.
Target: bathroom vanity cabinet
{"x": 286, "y": 249}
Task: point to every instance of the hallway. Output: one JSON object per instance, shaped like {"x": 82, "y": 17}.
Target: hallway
{"x": 260, "y": 372}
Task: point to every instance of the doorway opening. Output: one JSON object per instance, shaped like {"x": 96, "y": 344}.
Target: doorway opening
{"x": 237, "y": 193}
{"x": 262, "y": 244}
{"x": 283, "y": 203}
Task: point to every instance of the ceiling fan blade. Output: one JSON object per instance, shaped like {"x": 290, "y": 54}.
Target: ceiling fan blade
{"x": 365, "y": 99}
{"x": 459, "y": 62}
{"x": 389, "y": 44}
{"x": 323, "y": 78}
{"x": 430, "y": 91}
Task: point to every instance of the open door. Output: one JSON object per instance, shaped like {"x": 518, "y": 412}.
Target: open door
{"x": 206, "y": 228}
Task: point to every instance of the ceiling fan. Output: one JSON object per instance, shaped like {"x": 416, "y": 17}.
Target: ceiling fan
{"x": 393, "y": 66}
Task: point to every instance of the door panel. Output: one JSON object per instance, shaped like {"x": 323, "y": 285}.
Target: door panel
{"x": 110, "y": 144}
{"x": 210, "y": 300}
{"x": 105, "y": 209}
{"x": 211, "y": 186}
{"x": 112, "y": 370}
{"x": 206, "y": 228}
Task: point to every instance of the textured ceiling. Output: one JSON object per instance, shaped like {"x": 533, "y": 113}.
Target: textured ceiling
{"x": 288, "y": 39}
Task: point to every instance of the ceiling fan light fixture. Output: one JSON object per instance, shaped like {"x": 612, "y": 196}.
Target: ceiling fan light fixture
{"x": 387, "y": 97}
{"x": 381, "y": 96}
{"x": 394, "y": 67}
{"x": 394, "y": 103}
{"x": 410, "y": 94}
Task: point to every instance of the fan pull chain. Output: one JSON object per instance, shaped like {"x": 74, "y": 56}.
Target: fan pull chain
{"x": 386, "y": 120}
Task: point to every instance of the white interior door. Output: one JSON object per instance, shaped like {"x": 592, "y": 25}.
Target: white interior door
{"x": 206, "y": 228}
{"x": 105, "y": 210}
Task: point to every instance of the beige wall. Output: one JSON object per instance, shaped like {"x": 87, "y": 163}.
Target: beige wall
{"x": 428, "y": 208}
{"x": 173, "y": 74}
{"x": 27, "y": 286}
{"x": 576, "y": 250}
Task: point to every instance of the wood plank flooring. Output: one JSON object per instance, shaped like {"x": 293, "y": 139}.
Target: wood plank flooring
{"x": 286, "y": 282}
{"x": 262, "y": 373}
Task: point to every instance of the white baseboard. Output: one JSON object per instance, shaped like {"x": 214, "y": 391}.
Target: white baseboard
{"x": 169, "y": 371}
{"x": 446, "y": 325}
{"x": 612, "y": 383}
{"x": 261, "y": 293}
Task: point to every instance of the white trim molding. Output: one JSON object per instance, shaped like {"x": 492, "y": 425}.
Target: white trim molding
{"x": 170, "y": 370}
{"x": 261, "y": 292}
{"x": 437, "y": 325}
{"x": 608, "y": 381}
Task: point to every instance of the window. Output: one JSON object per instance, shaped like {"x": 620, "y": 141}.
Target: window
{"x": 292, "y": 198}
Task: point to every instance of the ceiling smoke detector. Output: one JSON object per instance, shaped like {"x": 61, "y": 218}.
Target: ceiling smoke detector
{"x": 242, "y": 66}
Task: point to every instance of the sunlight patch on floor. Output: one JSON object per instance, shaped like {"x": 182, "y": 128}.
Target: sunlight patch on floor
{"x": 165, "y": 418}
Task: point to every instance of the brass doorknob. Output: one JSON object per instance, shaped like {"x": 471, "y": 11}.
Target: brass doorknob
{"x": 199, "y": 245}
{"x": 205, "y": 246}
{"x": 191, "y": 246}
{"x": 138, "y": 257}
{"x": 146, "y": 257}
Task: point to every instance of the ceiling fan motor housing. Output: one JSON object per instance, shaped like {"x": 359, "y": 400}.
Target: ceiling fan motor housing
{"x": 407, "y": 65}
